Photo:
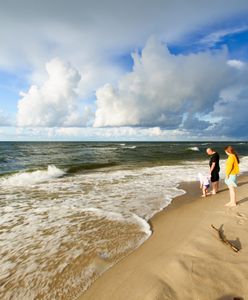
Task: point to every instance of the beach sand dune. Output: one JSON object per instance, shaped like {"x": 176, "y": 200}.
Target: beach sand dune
{"x": 184, "y": 258}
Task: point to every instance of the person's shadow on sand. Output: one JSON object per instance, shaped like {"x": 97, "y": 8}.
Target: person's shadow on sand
{"x": 242, "y": 200}
{"x": 230, "y": 297}
{"x": 242, "y": 183}
{"x": 224, "y": 189}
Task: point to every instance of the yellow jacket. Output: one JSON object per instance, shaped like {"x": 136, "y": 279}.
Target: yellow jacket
{"x": 232, "y": 166}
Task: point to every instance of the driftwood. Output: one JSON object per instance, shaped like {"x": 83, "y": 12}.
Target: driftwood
{"x": 224, "y": 240}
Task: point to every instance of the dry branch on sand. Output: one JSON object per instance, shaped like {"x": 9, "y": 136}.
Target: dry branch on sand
{"x": 224, "y": 240}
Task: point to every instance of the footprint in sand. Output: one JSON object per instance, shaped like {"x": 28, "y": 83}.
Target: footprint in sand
{"x": 241, "y": 215}
{"x": 242, "y": 218}
{"x": 241, "y": 222}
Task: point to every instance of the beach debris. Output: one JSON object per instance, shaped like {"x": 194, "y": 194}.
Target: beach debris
{"x": 223, "y": 238}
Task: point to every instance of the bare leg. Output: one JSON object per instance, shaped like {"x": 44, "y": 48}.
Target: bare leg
{"x": 232, "y": 196}
{"x": 215, "y": 186}
{"x": 204, "y": 192}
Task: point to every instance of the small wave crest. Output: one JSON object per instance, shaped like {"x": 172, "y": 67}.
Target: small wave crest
{"x": 194, "y": 149}
{"x": 34, "y": 177}
{"x": 129, "y": 147}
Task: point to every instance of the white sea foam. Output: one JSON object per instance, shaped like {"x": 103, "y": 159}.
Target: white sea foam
{"x": 56, "y": 235}
{"x": 194, "y": 148}
{"x": 114, "y": 216}
{"x": 30, "y": 178}
{"x": 130, "y": 147}
{"x": 243, "y": 164}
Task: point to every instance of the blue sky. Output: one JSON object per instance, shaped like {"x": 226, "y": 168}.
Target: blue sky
{"x": 235, "y": 37}
{"x": 150, "y": 72}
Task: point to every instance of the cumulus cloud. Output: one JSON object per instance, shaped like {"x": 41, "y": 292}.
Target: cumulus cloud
{"x": 238, "y": 64}
{"x": 116, "y": 134}
{"x": 164, "y": 89}
{"x": 193, "y": 94}
{"x": 231, "y": 112}
{"x": 78, "y": 28}
{"x": 112, "y": 133}
{"x": 89, "y": 34}
{"x": 123, "y": 133}
{"x": 56, "y": 102}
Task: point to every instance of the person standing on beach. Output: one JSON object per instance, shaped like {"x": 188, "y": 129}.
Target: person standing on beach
{"x": 214, "y": 164}
{"x": 232, "y": 169}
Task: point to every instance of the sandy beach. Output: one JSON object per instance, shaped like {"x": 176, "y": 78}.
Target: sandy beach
{"x": 184, "y": 258}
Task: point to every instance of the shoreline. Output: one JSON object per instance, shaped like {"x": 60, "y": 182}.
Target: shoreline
{"x": 156, "y": 269}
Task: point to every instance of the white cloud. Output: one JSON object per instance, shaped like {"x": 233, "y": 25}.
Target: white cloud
{"x": 238, "y": 64}
{"x": 164, "y": 90}
{"x": 113, "y": 133}
{"x": 89, "y": 34}
{"x": 128, "y": 133}
{"x": 184, "y": 96}
{"x": 231, "y": 110}
{"x": 56, "y": 102}
{"x": 93, "y": 37}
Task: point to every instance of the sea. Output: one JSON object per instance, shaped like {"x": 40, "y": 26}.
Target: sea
{"x": 71, "y": 210}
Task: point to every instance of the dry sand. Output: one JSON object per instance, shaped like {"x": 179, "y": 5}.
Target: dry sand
{"x": 184, "y": 258}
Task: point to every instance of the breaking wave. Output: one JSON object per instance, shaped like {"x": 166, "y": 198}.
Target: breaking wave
{"x": 194, "y": 149}
{"x": 34, "y": 177}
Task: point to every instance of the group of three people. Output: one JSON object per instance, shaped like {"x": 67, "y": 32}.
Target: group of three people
{"x": 232, "y": 170}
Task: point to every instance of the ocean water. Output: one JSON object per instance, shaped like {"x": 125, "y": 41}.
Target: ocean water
{"x": 70, "y": 210}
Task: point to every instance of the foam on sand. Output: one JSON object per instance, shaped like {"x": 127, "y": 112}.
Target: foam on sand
{"x": 114, "y": 216}
{"x": 75, "y": 245}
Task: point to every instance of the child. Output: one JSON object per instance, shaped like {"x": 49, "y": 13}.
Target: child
{"x": 204, "y": 183}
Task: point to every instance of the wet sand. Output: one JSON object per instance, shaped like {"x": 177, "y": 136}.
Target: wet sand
{"x": 184, "y": 258}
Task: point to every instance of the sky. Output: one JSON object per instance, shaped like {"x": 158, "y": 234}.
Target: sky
{"x": 162, "y": 70}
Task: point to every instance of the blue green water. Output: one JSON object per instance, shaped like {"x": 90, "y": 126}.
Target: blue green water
{"x": 79, "y": 156}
